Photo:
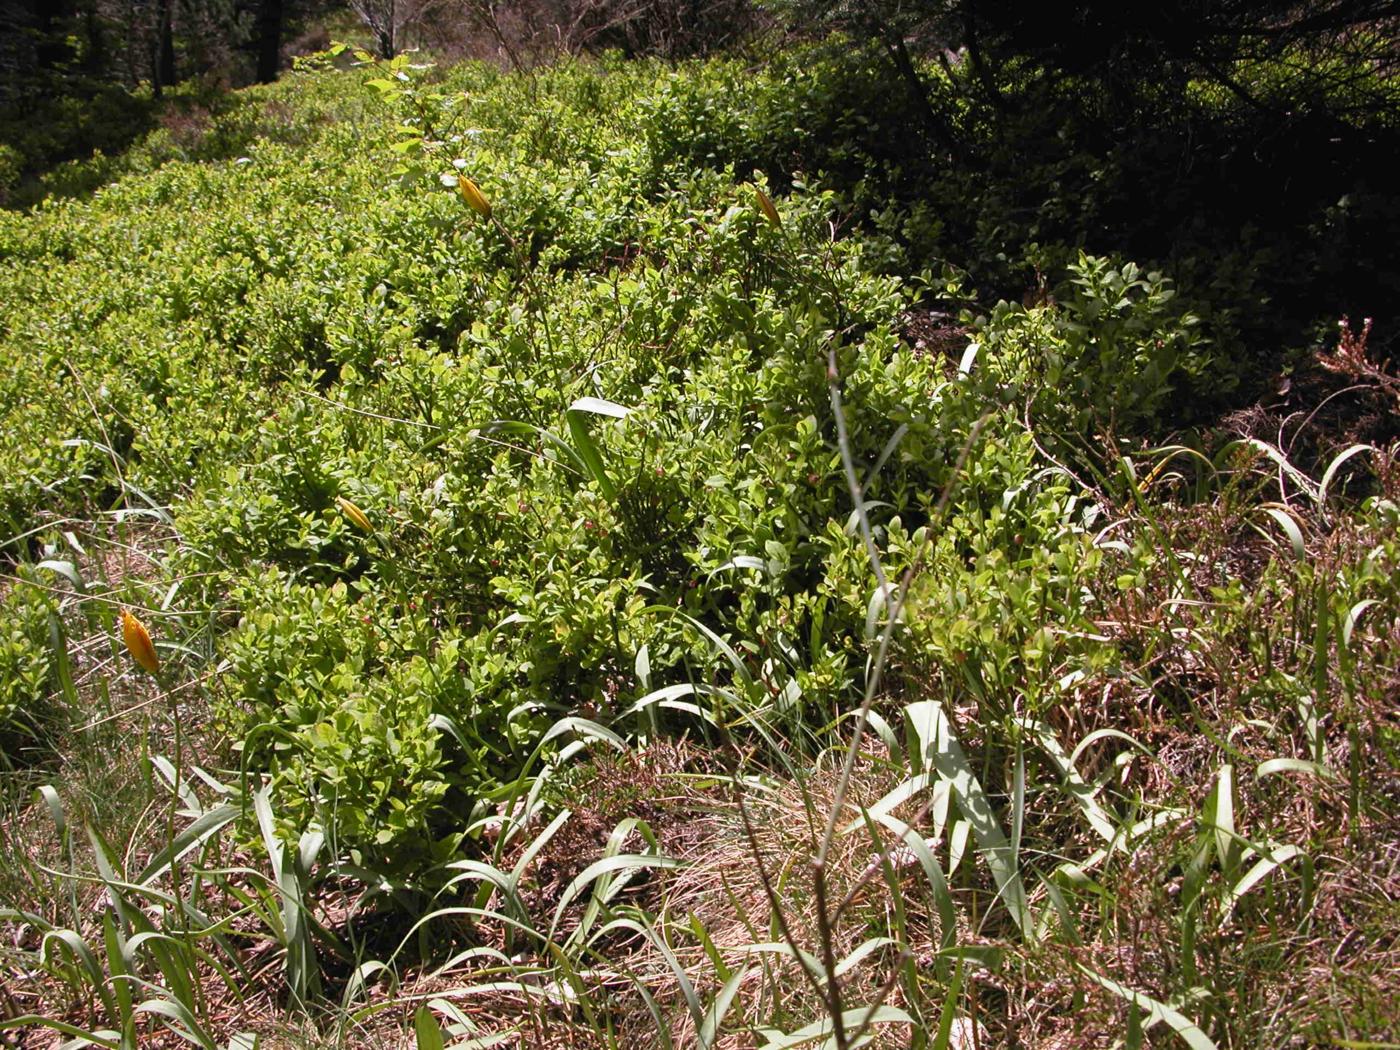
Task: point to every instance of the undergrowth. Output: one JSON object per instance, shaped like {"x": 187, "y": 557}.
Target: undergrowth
{"x": 481, "y": 570}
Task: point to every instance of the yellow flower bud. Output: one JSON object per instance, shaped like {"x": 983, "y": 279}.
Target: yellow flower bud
{"x": 354, "y": 513}
{"x": 765, "y": 205}
{"x": 471, "y": 193}
{"x": 138, "y": 642}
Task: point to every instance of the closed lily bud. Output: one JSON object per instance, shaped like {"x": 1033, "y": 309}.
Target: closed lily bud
{"x": 471, "y": 193}
{"x": 138, "y": 642}
{"x": 354, "y": 513}
{"x": 765, "y": 205}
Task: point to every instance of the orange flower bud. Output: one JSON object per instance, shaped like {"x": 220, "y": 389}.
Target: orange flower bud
{"x": 138, "y": 642}
{"x": 471, "y": 193}
{"x": 765, "y": 205}
{"x": 354, "y": 513}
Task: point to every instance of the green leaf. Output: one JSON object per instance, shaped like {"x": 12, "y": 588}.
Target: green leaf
{"x": 1155, "y": 1011}
{"x": 598, "y": 872}
{"x": 1292, "y": 765}
{"x": 1256, "y": 874}
{"x": 940, "y": 747}
{"x": 105, "y": 1038}
{"x": 596, "y": 406}
{"x": 426, "y": 1031}
{"x": 47, "y": 794}
{"x": 180, "y": 1020}
{"x": 1084, "y": 796}
{"x": 63, "y": 667}
{"x": 584, "y": 444}
{"x": 193, "y": 835}
{"x": 860, "y": 1017}
{"x": 1331, "y": 472}
{"x": 1220, "y": 815}
{"x": 719, "y": 1007}
{"x": 1289, "y": 524}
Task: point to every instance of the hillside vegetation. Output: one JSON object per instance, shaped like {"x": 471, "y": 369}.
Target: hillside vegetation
{"x": 589, "y": 557}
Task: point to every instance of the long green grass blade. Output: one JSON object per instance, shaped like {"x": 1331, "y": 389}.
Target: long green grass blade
{"x": 427, "y": 1033}
{"x": 861, "y": 1016}
{"x": 719, "y": 1008}
{"x": 1155, "y": 1012}
{"x": 940, "y": 748}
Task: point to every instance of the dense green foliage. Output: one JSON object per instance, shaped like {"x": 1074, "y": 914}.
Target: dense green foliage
{"x": 26, "y": 665}
{"x": 423, "y": 365}
{"x": 429, "y": 494}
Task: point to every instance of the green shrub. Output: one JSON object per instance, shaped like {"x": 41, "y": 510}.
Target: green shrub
{"x": 1114, "y": 354}
{"x": 290, "y": 308}
{"x": 26, "y": 666}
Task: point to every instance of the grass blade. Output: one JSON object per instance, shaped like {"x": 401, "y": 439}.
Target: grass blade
{"x": 1155, "y": 1011}
{"x": 427, "y": 1033}
{"x": 941, "y": 748}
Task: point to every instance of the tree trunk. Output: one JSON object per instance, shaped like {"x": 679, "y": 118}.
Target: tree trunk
{"x": 898, "y": 53}
{"x": 269, "y": 40}
{"x": 53, "y": 49}
{"x": 18, "y": 46}
{"x": 165, "y": 48}
{"x": 95, "y": 54}
{"x": 388, "y": 45}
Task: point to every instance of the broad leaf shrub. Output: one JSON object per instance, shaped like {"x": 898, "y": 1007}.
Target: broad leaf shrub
{"x": 296, "y": 311}
{"x": 446, "y": 486}
{"x": 301, "y": 326}
{"x": 345, "y": 720}
{"x": 1011, "y": 178}
{"x": 1111, "y": 356}
{"x": 27, "y": 682}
